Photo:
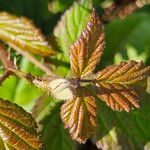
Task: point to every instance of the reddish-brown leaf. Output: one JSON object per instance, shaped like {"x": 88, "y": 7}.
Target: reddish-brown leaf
{"x": 120, "y": 85}
{"x": 87, "y": 50}
{"x": 79, "y": 115}
{"x": 18, "y": 129}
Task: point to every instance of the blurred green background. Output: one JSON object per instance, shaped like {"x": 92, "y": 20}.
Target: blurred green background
{"x": 126, "y": 39}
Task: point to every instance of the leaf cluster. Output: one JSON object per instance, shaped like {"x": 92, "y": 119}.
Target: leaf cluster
{"x": 78, "y": 41}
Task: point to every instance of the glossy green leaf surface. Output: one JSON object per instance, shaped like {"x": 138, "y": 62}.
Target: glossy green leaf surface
{"x": 72, "y": 22}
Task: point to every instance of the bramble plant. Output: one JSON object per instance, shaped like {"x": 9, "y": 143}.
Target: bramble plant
{"x": 120, "y": 86}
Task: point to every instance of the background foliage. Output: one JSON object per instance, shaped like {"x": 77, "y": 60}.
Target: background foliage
{"x": 127, "y": 38}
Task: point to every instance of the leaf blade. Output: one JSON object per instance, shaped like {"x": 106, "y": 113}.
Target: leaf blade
{"x": 121, "y": 86}
{"x": 18, "y": 129}
{"x": 85, "y": 53}
{"x": 22, "y": 33}
{"x": 70, "y": 26}
{"x": 79, "y": 115}
{"x": 131, "y": 129}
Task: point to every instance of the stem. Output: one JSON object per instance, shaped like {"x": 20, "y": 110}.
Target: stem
{"x": 4, "y": 58}
{"x": 4, "y": 76}
{"x": 121, "y": 9}
{"x": 33, "y": 60}
{"x": 21, "y": 74}
{"x": 85, "y": 80}
{"x": 7, "y": 63}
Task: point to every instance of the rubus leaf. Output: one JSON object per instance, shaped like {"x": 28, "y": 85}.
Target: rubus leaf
{"x": 46, "y": 112}
{"x": 79, "y": 115}
{"x": 87, "y": 50}
{"x": 57, "y": 6}
{"x": 21, "y": 32}
{"x": 72, "y": 22}
{"x": 120, "y": 85}
{"x": 17, "y": 127}
{"x": 109, "y": 140}
{"x": 123, "y": 131}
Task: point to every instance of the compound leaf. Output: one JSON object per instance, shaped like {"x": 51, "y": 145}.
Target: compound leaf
{"x": 17, "y": 127}
{"x": 120, "y": 85}
{"x": 21, "y": 32}
{"x": 79, "y": 115}
{"x": 87, "y": 50}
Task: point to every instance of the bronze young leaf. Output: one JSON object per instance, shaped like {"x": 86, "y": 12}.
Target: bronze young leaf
{"x": 79, "y": 115}
{"x": 120, "y": 85}
{"x": 18, "y": 129}
{"x": 87, "y": 50}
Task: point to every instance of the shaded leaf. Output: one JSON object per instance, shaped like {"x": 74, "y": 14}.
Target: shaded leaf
{"x": 22, "y": 33}
{"x": 120, "y": 33}
{"x": 109, "y": 141}
{"x": 87, "y": 50}
{"x": 79, "y": 115}
{"x": 132, "y": 54}
{"x": 72, "y": 22}
{"x": 17, "y": 127}
{"x": 56, "y": 6}
{"x": 120, "y": 85}
{"x": 47, "y": 113}
{"x": 7, "y": 89}
{"x": 43, "y": 107}
{"x": 131, "y": 129}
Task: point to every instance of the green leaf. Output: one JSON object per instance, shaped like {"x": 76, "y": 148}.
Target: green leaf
{"x": 132, "y": 54}
{"x": 18, "y": 128}
{"x": 126, "y": 130}
{"x": 21, "y": 91}
{"x": 25, "y": 92}
{"x": 120, "y": 33}
{"x": 8, "y": 87}
{"x": 21, "y": 33}
{"x": 47, "y": 113}
{"x": 109, "y": 140}
{"x": 70, "y": 26}
{"x": 56, "y": 6}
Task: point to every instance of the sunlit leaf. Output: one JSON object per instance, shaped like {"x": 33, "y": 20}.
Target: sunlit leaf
{"x": 87, "y": 50}
{"x": 22, "y": 33}
{"x": 72, "y": 22}
{"x": 120, "y": 85}
{"x": 17, "y": 127}
{"x": 79, "y": 115}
